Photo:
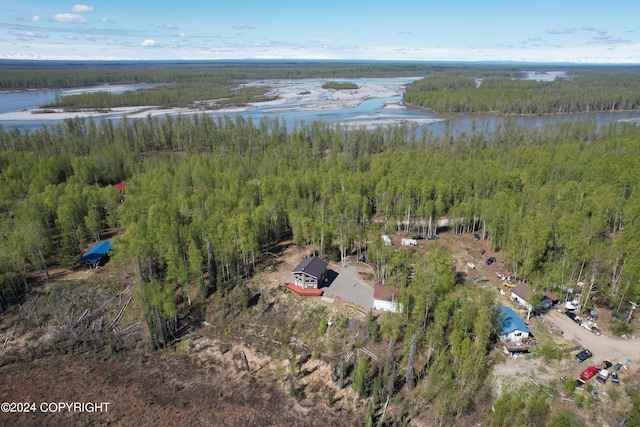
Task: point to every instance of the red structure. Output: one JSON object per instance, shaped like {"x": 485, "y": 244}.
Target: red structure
{"x": 121, "y": 186}
{"x": 303, "y": 292}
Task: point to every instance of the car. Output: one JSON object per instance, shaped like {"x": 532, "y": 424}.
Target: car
{"x": 476, "y": 236}
{"x": 571, "y": 315}
{"x": 614, "y": 378}
{"x": 583, "y": 355}
{"x": 432, "y": 237}
{"x": 490, "y": 260}
{"x": 595, "y": 394}
{"x": 417, "y": 237}
{"x": 596, "y": 331}
{"x": 589, "y": 373}
{"x": 606, "y": 364}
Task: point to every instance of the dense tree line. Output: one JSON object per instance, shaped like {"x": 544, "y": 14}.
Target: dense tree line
{"x": 578, "y": 94}
{"x": 559, "y": 202}
{"x": 50, "y": 74}
{"x": 175, "y": 95}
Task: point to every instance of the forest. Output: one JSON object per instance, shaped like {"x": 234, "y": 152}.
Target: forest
{"x": 207, "y": 198}
{"x": 577, "y": 94}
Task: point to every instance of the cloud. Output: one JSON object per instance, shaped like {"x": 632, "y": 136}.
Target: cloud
{"x": 68, "y": 18}
{"x": 182, "y": 34}
{"x": 34, "y": 18}
{"x": 28, "y": 35}
{"x": 105, "y": 20}
{"x": 148, "y": 43}
{"x": 558, "y": 31}
{"x": 82, "y": 8}
{"x": 170, "y": 27}
{"x": 244, "y": 27}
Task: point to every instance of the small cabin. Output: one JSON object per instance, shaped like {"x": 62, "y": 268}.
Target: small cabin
{"x": 310, "y": 273}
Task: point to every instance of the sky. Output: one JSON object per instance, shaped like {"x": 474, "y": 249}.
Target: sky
{"x": 548, "y": 31}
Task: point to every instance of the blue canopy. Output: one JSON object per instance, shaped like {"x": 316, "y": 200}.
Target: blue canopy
{"x": 97, "y": 252}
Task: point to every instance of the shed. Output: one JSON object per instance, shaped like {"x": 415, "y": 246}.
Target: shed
{"x": 520, "y": 294}
{"x": 97, "y": 253}
{"x": 310, "y": 273}
{"x": 384, "y": 299}
{"x": 513, "y": 327}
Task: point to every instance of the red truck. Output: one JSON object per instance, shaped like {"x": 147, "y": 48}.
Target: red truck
{"x": 587, "y": 374}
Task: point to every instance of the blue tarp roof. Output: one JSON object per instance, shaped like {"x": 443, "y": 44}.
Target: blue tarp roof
{"x": 512, "y": 322}
{"x": 96, "y": 253}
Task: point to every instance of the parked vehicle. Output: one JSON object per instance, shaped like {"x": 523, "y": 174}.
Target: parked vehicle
{"x": 476, "y": 236}
{"x": 571, "y": 315}
{"x": 471, "y": 265}
{"x": 490, "y": 261}
{"x": 589, "y": 373}
{"x": 595, "y": 394}
{"x": 583, "y": 355}
{"x": 409, "y": 242}
{"x": 615, "y": 380}
{"x": 417, "y": 237}
{"x": 596, "y": 331}
{"x": 603, "y": 376}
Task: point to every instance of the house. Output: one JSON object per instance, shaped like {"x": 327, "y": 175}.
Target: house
{"x": 387, "y": 240}
{"x": 310, "y": 273}
{"x": 385, "y": 299}
{"x": 513, "y": 327}
{"x": 520, "y": 294}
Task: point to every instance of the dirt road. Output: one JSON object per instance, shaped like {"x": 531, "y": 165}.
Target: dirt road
{"x": 603, "y": 347}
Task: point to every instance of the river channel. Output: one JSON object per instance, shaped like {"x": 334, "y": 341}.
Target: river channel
{"x": 376, "y": 102}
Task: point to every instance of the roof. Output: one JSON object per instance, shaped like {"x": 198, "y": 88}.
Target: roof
{"x": 312, "y": 266}
{"x": 120, "y": 186}
{"x": 511, "y": 322}
{"x": 97, "y": 252}
{"x": 522, "y": 291}
{"x": 385, "y": 293}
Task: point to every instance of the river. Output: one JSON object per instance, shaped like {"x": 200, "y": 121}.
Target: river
{"x": 376, "y": 102}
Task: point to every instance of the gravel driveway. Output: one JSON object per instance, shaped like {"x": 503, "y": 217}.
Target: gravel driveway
{"x": 603, "y": 347}
{"x": 349, "y": 286}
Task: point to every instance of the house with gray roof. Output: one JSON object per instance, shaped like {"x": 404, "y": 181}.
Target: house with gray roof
{"x": 310, "y": 273}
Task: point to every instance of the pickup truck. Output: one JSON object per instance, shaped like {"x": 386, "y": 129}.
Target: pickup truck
{"x": 589, "y": 373}
{"x": 583, "y": 355}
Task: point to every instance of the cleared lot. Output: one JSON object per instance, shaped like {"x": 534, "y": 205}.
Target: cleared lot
{"x": 603, "y": 347}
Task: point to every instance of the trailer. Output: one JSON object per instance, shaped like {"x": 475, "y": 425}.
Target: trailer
{"x": 409, "y": 242}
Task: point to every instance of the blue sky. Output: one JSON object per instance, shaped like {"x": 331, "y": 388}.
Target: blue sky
{"x": 582, "y": 31}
